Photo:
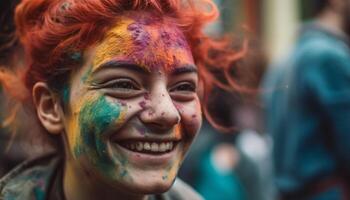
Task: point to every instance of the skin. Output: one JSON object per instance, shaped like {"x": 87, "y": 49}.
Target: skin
{"x": 138, "y": 83}
{"x": 336, "y": 17}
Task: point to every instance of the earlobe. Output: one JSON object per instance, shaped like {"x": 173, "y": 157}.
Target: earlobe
{"x": 48, "y": 108}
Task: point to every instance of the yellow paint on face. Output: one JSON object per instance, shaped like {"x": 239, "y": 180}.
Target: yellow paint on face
{"x": 149, "y": 46}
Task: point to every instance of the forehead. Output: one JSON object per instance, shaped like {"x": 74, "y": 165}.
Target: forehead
{"x": 151, "y": 42}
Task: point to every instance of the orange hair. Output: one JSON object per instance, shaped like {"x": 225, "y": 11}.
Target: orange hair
{"x": 52, "y": 32}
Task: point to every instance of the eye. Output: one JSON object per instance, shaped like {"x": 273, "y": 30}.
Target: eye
{"x": 121, "y": 84}
{"x": 183, "y": 91}
{"x": 122, "y": 88}
{"x": 184, "y": 86}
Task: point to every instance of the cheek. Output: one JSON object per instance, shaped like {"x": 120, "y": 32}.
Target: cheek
{"x": 98, "y": 116}
{"x": 95, "y": 116}
{"x": 191, "y": 117}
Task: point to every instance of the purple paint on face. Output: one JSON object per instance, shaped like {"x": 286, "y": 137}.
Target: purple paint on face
{"x": 166, "y": 38}
{"x": 141, "y": 129}
{"x": 123, "y": 103}
{"x": 150, "y": 113}
{"x": 139, "y": 35}
{"x": 174, "y": 39}
{"x": 179, "y": 108}
{"x": 142, "y": 104}
{"x": 146, "y": 96}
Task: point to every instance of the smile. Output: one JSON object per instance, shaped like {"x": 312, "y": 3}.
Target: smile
{"x": 149, "y": 147}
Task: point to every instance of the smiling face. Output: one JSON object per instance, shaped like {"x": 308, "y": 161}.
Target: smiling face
{"x": 133, "y": 109}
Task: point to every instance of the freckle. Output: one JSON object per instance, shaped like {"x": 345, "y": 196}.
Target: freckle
{"x": 163, "y": 95}
{"x": 194, "y": 116}
{"x": 129, "y": 107}
{"x": 163, "y": 113}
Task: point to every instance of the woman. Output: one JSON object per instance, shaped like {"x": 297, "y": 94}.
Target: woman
{"x": 114, "y": 85}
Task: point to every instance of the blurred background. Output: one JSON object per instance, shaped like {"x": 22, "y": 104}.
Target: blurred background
{"x": 235, "y": 165}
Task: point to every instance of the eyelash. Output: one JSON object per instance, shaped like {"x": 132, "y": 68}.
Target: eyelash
{"x": 122, "y": 84}
{"x": 184, "y": 86}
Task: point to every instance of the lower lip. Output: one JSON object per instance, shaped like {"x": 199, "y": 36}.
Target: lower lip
{"x": 144, "y": 158}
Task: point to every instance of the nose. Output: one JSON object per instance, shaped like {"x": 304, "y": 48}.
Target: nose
{"x": 161, "y": 112}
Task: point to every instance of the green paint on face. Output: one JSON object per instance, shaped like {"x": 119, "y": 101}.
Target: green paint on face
{"x": 124, "y": 173}
{"x": 76, "y": 56}
{"x": 65, "y": 95}
{"x": 85, "y": 77}
{"x": 94, "y": 118}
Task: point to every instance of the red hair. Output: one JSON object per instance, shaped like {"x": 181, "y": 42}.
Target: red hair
{"x": 51, "y": 31}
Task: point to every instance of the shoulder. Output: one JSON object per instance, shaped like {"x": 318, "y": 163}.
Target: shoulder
{"x": 322, "y": 47}
{"x": 182, "y": 191}
{"x": 320, "y": 55}
{"x": 29, "y": 180}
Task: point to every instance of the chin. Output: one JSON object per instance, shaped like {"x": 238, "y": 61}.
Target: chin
{"x": 150, "y": 186}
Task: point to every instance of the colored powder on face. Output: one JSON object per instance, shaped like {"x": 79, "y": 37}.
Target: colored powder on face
{"x": 124, "y": 173}
{"x": 141, "y": 38}
{"x": 85, "y": 77}
{"x": 65, "y": 95}
{"x": 94, "y": 118}
{"x": 76, "y": 56}
{"x": 146, "y": 96}
{"x": 140, "y": 128}
{"x": 142, "y": 104}
{"x": 146, "y": 41}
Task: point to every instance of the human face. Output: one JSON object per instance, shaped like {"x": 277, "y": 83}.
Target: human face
{"x": 133, "y": 106}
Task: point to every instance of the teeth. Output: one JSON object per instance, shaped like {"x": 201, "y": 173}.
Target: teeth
{"x": 162, "y": 147}
{"x": 154, "y": 147}
{"x": 139, "y": 146}
{"x": 170, "y": 145}
{"x": 149, "y": 146}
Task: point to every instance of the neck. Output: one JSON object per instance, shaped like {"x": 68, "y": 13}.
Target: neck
{"x": 78, "y": 185}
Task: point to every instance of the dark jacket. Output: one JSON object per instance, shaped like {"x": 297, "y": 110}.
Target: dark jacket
{"x": 40, "y": 179}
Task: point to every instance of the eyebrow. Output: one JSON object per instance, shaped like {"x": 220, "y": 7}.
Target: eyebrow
{"x": 124, "y": 64}
{"x": 129, "y": 65}
{"x": 184, "y": 69}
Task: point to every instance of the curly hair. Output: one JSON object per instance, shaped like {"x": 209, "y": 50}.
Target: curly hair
{"x": 53, "y": 31}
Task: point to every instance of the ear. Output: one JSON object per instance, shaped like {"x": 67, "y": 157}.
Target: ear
{"x": 48, "y": 108}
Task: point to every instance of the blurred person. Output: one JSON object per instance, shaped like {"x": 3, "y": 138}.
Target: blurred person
{"x": 307, "y": 101}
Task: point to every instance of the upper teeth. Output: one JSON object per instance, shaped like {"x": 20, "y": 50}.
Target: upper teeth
{"x": 150, "y": 146}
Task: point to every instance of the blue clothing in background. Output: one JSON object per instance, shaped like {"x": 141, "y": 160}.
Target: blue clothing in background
{"x": 307, "y": 100}
{"x": 214, "y": 184}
